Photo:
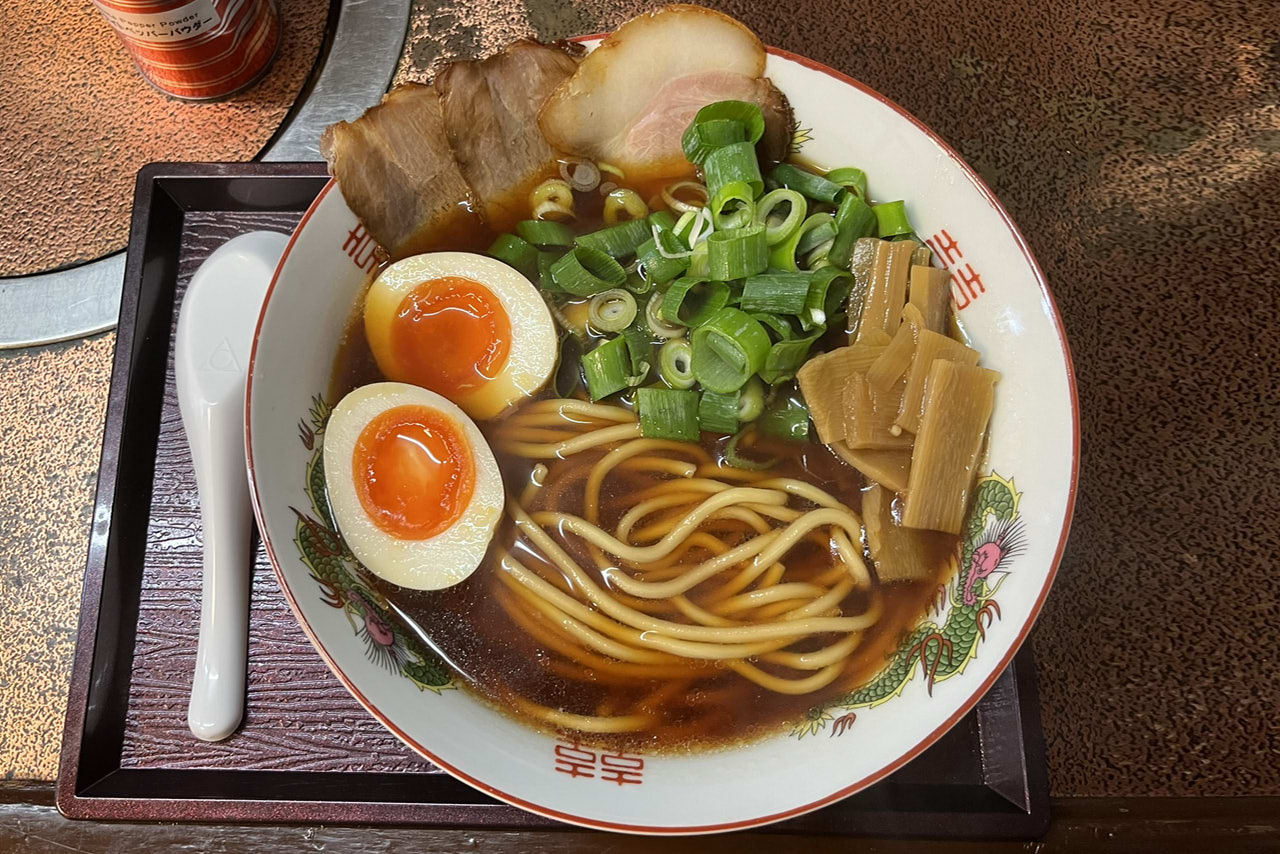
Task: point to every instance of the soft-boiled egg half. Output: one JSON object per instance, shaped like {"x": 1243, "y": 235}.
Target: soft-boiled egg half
{"x": 413, "y": 485}
{"x": 468, "y": 327}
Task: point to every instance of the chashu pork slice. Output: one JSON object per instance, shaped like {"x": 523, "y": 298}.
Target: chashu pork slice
{"x": 491, "y": 118}
{"x": 633, "y": 96}
{"x": 398, "y": 174}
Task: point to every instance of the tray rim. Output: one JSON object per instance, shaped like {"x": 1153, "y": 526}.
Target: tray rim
{"x": 79, "y": 801}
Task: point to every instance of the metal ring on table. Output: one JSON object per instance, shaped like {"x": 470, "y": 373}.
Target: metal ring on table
{"x": 353, "y": 71}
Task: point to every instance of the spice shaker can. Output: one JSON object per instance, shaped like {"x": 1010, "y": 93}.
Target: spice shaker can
{"x": 197, "y": 49}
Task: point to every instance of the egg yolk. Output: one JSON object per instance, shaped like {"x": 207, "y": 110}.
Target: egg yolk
{"x": 413, "y": 472}
{"x": 450, "y": 335}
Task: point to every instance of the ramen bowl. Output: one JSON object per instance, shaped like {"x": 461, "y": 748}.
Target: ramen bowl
{"x": 928, "y": 682}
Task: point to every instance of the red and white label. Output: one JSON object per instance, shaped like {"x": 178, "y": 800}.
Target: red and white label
{"x": 186, "y": 21}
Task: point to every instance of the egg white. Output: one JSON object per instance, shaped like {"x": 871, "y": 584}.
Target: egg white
{"x": 531, "y": 355}
{"x": 428, "y": 564}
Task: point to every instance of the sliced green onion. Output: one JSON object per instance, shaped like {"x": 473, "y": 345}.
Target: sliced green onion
{"x": 712, "y": 127}
{"x": 807, "y": 183}
{"x": 699, "y": 261}
{"x": 617, "y": 241}
{"x": 653, "y": 319}
{"x": 732, "y": 205}
{"x": 850, "y": 178}
{"x": 854, "y": 220}
{"x": 685, "y": 224}
{"x": 637, "y": 283}
{"x": 675, "y": 363}
{"x": 785, "y": 358}
{"x": 735, "y": 459}
{"x": 516, "y": 252}
{"x": 607, "y": 368}
{"x": 640, "y": 348}
{"x": 718, "y": 413}
{"x": 779, "y": 328}
{"x": 690, "y": 301}
{"x": 611, "y": 310}
{"x": 751, "y": 400}
{"x": 788, "y": 420}
{"x": 820, "y": 233}
{"x": 728, "y": 349}
{"x": 661, "y": 264}
{"x": 700, "y": 140}
{"x": 662, "y": 220}
{"x": 736, "y": 253}
{"x": 668, "y": 413}
{"x": 784, "y": 293}
{"x": 778, "y": 229}
{"x": 545, "y": 260}
{"x": 732, "y": 163}
{"x": 585, "y": 271}
{"x": 828, "y": 292}
{"x": 785, "y": 256}
{"x": 545, "y": 234}
{"x": 891, "y": 218}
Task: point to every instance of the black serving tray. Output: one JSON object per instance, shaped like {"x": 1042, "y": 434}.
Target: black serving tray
{"x": 307, "y": 752}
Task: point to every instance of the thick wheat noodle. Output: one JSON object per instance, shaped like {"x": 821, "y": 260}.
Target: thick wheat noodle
{"x": 698, "y": 539}
{"x": 546, "y": 435}
{"x": 709, "y": 646}
{"x": 675, "y": 468}
{"x": 561, "y": 406}
{"x": 742, "y": 636}
{"x": 782, "y": 543}
{"x": 591, "y": 505}
{"x": 638, "y": 511}
{"x": 807, "y": 491}
{"x": 777, "y": 684}
{"x": 693, "y": 484}
{"x": 852, "y": 559}
{"x": 594, "y": 534}
{"x": 656, "y": 530}
{"x": 525, "y": 585}
{"x": 537, "y": 480}
{"x": 790, "y": 591}
{"x": 569, "y": 447}
{"x": 768, "y": 575}
{"x": 695, "y": 574}
{"x": 701, "y": 615}
{"x": 712, "y": 470}
{"x": 819, "y": 658}
{"x": 583, "y": 723}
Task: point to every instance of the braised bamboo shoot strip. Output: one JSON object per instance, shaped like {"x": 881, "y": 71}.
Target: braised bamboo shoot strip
{"x": 929, "y": 290}
{"x": 900, "y": 554}
{"x": 895, "y": 360}
{"x": 930, "y": 347}
{"x": 889, "y": 467}
{"x": 861, "y": 264}
{"x": 957, "y": 406}
{"x": 922, "y": 257}
{"x": 822, "y": 380}
{"x": 870, "y": 414}
{"x": 887, "y": 287}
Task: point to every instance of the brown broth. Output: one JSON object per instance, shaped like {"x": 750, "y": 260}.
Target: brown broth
{"x": 496, "y": 659}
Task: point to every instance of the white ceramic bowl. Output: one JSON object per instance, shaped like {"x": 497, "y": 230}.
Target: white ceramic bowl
{"x": 935, "y": 678}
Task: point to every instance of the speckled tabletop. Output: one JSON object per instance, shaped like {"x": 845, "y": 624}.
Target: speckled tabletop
{"x": 1137, "y": 144}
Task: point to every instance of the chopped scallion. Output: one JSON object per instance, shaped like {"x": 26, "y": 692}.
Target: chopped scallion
{"x": 728, "y": 349}
{"x": 617, "y": 241}
{"x": 517, "y": 252}
{"x": 732, "y": 163}
{"x": 733, "y": 456}
{"x": 732, "y": 205}
{"x": 785, "y": 255}
{"x": 690, "y": 301}
{"x": 668, "y": 413}
{"x": 711, "y": 128}
{"x": 891, "y": 218}
{"x": 718, "y": 413}
{"x": 585, "y": 271}
{"x": 675, "y": 363}
{"x": 779, "y": 228}
{"x": 787, "y": 420}
{"x": 736, "y": 253}
{"x": 545, "y": 234}
{"x": 607, "y": 368}
{"x": 854, "y": 220}
{"x": 807, "y": 183}
{"x": 784, "y": 293}
{"x": 785, "y": 358}
{"x": 751, "y": 400}
{"x": 611, "y": 310}
{"x": 850, "y": 178}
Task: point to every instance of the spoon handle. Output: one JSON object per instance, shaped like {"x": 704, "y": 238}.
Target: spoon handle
{"x": 217, "y": 692}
